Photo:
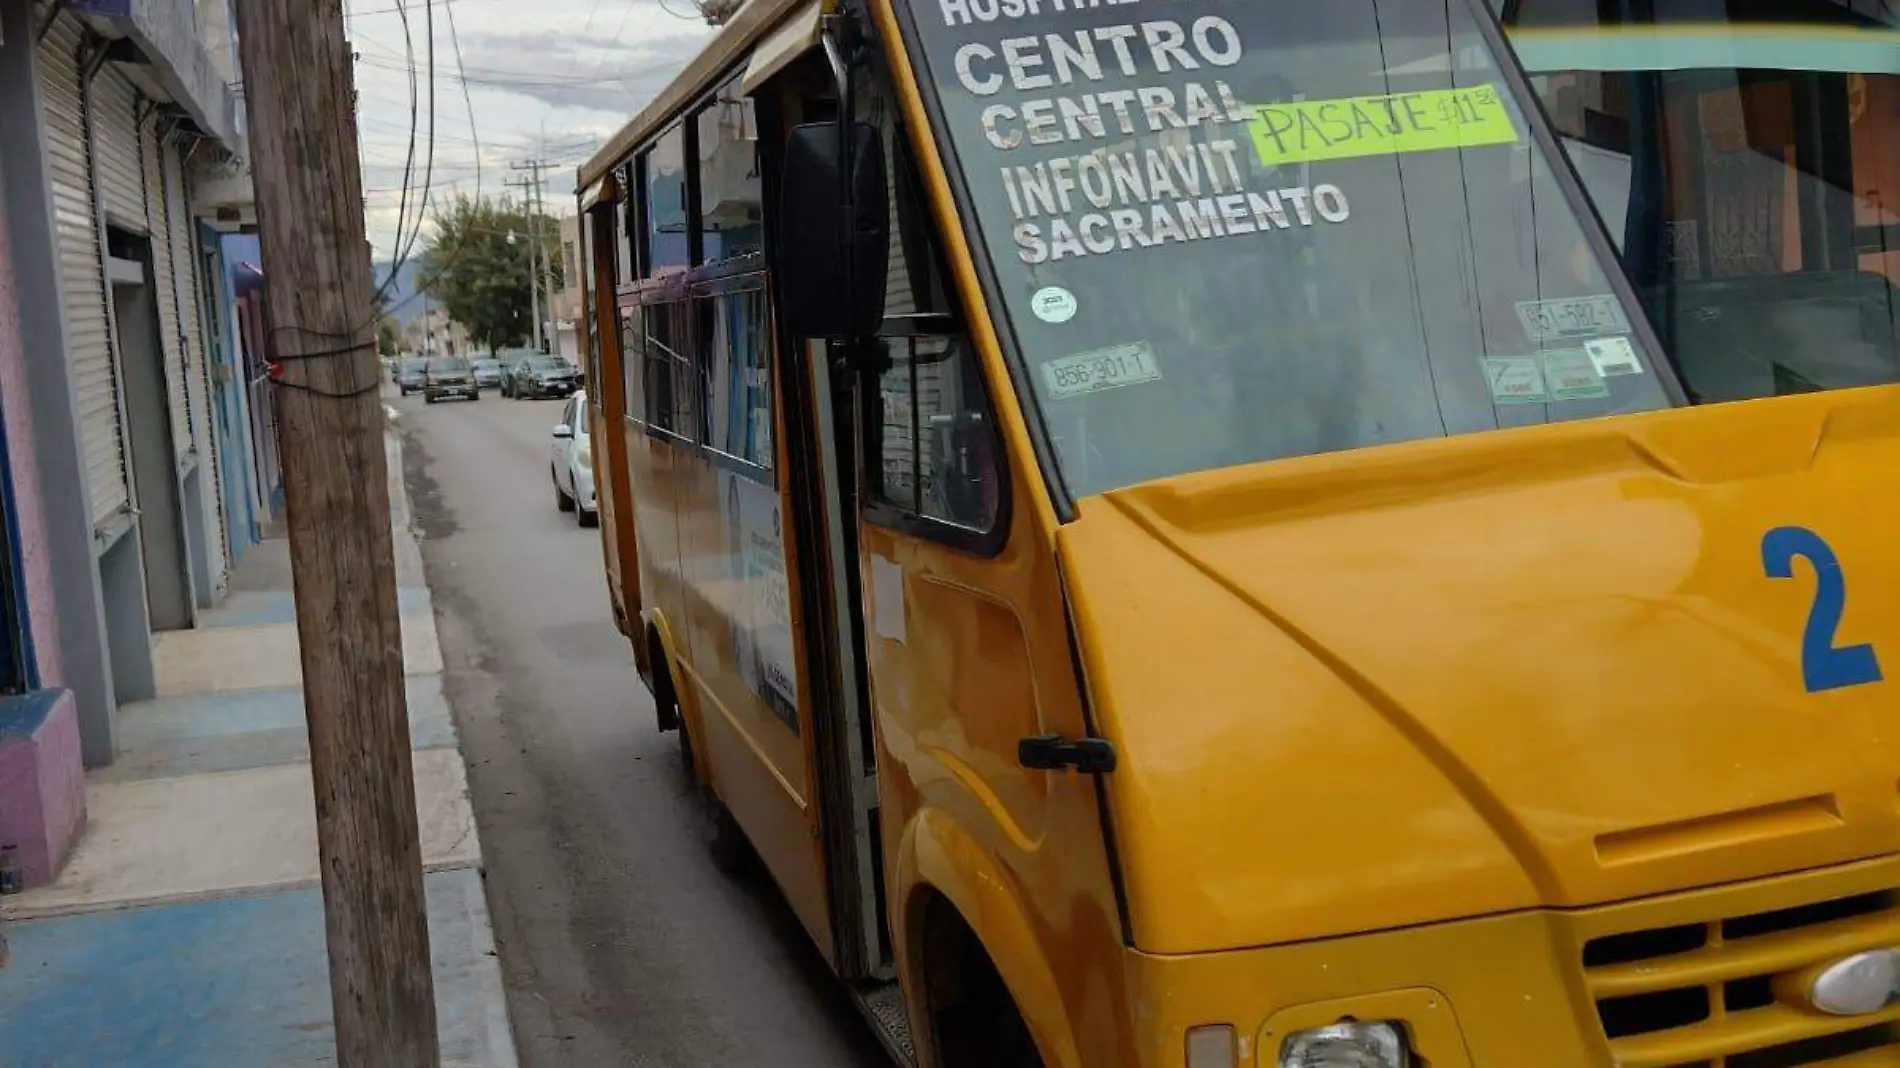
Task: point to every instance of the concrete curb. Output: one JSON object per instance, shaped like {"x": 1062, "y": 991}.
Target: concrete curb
{"x": 496, "y": 1020}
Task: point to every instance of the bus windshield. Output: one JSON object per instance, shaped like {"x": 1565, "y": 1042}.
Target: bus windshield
{"x": 1740, "y": 155}
{"x": 1229, "y": 232}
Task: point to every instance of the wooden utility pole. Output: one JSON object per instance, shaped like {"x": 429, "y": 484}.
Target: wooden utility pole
{"x": 534, "y": 262}
{"x": 542, "y": 267}
{"x": 300, "y": 98}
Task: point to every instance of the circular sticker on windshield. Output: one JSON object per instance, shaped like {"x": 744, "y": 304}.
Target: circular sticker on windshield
{"x": 1054, "y": 305}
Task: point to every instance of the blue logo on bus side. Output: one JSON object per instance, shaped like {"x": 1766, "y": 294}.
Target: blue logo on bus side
{"x": 1823, "y": 666}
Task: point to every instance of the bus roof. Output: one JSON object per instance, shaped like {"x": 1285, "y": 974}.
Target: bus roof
{"x": 747, "y": 27}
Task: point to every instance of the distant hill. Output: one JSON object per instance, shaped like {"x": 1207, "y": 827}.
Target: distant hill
{"x": 403, "y": 302}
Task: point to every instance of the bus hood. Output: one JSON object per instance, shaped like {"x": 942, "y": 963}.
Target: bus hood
{"x": 1552, "y": 667}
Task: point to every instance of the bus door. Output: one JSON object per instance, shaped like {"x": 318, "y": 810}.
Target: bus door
{"x": 820, "y": 459}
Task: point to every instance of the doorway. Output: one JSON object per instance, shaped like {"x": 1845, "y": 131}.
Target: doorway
{"x": 151, "y": 458}
{"x": 817, "y": 396}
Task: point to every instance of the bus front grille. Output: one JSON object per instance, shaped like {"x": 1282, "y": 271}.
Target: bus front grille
{"x": 1724, "y": 993}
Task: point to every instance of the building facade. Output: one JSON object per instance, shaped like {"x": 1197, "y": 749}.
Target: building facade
{"x": 564, "y": 300}
{"x": 121, "y": 384}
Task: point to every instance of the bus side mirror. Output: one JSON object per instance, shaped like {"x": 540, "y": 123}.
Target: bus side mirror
{"x": 834, "y": 231}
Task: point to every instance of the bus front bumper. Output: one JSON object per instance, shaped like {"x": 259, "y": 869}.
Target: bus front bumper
{"x": 1684, "y": 979}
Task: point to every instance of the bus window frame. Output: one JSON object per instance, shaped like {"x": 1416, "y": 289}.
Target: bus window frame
{"x": 934, "y": 144}
{"x": 627, "y": 304}
{"x": 660, "y": 295}
{"x": 632, "y": 225}
{"x": 908, "y": 145}
{"x": 985, "y": 544}
{"x": 723, "y": 88}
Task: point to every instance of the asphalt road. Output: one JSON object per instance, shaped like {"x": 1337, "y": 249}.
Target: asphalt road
{"x": 620, "y": 943}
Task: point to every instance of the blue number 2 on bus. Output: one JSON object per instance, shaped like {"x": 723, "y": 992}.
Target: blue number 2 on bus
{"x": 1823, "y": 665}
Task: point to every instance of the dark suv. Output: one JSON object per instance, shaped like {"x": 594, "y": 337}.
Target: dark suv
{"x": 409, "y": 374}
{"x": 542, "y": 376}
{"x": 450, "y": 377}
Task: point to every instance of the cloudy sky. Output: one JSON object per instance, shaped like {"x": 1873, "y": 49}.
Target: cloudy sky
{"x": 544, "y": 78}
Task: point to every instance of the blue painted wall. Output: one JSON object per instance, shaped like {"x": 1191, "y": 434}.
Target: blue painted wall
{"x": 247, "y": 525}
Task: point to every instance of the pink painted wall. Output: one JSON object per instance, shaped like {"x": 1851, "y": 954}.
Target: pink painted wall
{"x": 29, "y": 521}
{"x": 42, "y": 786}
{"x": 42, "y": 778}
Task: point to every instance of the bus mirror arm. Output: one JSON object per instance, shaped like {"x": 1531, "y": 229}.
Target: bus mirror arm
{"x": 834, "y": 55}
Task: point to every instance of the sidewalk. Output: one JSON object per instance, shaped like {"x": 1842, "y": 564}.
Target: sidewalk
{"x": 187, "y": 928}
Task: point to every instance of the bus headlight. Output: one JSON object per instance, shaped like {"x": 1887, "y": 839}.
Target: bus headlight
{"x": 1347, "y": 1045}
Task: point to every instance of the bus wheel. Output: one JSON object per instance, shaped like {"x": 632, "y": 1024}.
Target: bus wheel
{"x": 686, "y": 752}
{"x": 974, "y": 1022}
{"x": 666, "y": 705}
{"x": 725, "y": 841}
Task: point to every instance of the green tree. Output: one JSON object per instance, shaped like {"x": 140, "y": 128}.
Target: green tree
{"x": 477, "y": 267}
{"x": 388, "y": 335}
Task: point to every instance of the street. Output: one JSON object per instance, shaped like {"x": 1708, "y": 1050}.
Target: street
{"x": 621, "y": 945}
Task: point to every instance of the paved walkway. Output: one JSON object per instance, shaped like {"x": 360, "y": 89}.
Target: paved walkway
{"x": 186, "y": 930}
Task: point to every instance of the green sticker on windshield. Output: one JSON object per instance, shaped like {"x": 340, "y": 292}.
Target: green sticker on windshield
{"x": 1515, "y": 380}
{"x": 1309, "y": 131}
{"x": 1573, "y": 376}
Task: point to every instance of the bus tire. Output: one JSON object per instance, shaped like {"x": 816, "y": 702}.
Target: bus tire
{"x": 726, "y": 842}
{"x": 687, "y": 765}
{"x": 666, "y": 705}
{"x": 974, "y": 1021}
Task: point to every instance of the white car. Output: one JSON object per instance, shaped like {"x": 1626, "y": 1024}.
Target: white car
{"x": 572, "y": 463}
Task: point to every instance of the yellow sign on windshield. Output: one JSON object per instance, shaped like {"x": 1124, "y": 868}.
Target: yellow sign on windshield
{"x": 1309, "y": 131}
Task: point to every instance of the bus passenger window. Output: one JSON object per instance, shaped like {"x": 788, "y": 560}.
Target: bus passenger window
{"x": 671, "y": 385}
{"x": 633, "y": 367}
{"x": 625, "y": 270}
{"x": 663, "y": 187}
{"x": 739, "y": 376}
{"x": 731, "y": 196}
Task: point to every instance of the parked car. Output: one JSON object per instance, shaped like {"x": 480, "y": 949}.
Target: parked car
{"x": 488, "y": 373}
{"x": 511, "y": 359}
{"x": 411, "y": 375}
{"x": 572, "y": 463}
{"x": 541, "y": 376}
{"x": 450, "y": 376}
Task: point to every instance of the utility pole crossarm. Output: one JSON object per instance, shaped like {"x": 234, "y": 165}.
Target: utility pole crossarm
{"x": 322, "y": 332}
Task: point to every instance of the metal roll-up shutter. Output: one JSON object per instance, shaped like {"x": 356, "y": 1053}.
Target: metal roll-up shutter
{"x": 164, "y": 280}
{"x": 188, "y": 268}
{"x": 115, "y": 105}
{"x": 82, "y": 274}
{"x": 185, "y": 270}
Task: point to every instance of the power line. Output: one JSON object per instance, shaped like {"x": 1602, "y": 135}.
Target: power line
{"x": 428, "y": 173}
{"x": 478, "y": 73}
{"x": 618, "y": 31}
{"x": 577, "y": 143}
{"x": 528, "y": 80}
{"x": 398, "y": 9}
{"x": 402, "y": 208}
